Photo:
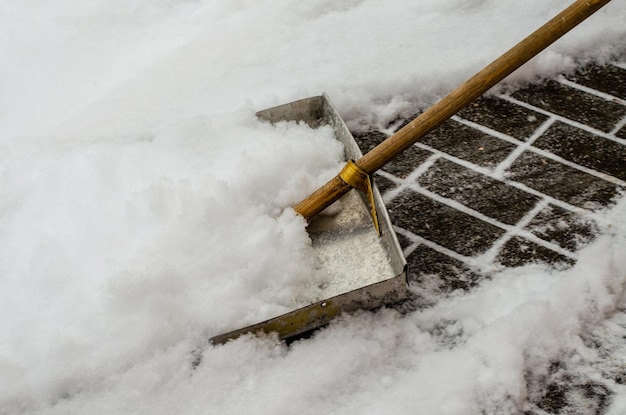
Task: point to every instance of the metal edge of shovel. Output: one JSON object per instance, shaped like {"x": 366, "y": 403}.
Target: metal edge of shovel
{"x": 331, "y": 232}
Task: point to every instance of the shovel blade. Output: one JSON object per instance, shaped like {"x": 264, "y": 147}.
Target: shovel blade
{"x": 367, "y": 271}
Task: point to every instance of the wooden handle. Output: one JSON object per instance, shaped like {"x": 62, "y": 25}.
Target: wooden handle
{"x": 454, "y": 102}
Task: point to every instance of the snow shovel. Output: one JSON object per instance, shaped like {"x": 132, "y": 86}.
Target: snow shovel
{"x": 387, "y": 287}
{"x": 366, "y": 267}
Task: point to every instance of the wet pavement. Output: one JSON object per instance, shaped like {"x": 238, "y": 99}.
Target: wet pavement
{"x": 513, "y": 179}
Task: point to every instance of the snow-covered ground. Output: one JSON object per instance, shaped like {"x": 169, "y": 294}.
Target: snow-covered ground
{"x": 142, "y": 209}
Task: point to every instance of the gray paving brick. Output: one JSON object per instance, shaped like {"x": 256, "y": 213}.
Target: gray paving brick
{"x": 450, "y": 274}
{"x": 501, "y": 201}
{"x": 607, "y": 78}
{"x": 504, "y": 116}
{"x": 585, "y": 149}
{"x": 469, "y": 144}
{"x": 401, "y": 166}
{"x": 404, "y": 241}
{"x": 369, "y": 139}
{"x": 562, "y": 227}
{"x": 519, "y": 251}
{"x": 564, "y": 396}
{"x": 573, "y": 104}
{"x": 442, "y": 224}
{"x": 383, "y": 184}
{"x": 562, "y": 182}
{"x": 405, "y": 163}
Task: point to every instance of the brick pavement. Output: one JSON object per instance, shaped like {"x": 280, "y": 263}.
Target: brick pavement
{"x": 511, "y": 180}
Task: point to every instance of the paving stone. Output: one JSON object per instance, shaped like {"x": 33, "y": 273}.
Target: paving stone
{"x": 485, "y": 195}
{"x": 608, "y": 78}
{"x": 585, "y": 149}
{"x": 622, "y": 133}
{"x": 404, "y": 241}
{"x": 563, "y": 397}
{"x": 562, "y": 182}
{"x": 573, "y": 104}
{"x": 562, "y": 227}
{"x": 469, "y": 144}
{"x": 519, "y": 251}
{"x": 383, "y": 184}
{"x": 504, "y": 116}
{"x": 597, "y": 397}
{"x": 407, "y": 162}
{"x": 449, "y": 274}
{"x": 369, "y": 139}
{"x": 442, "y": 224}
{"x": 553, "y": 401}
{"x": 401, "y": 166}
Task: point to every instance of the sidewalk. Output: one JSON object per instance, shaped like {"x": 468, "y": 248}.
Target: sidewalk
{"x": 511, "y": 180}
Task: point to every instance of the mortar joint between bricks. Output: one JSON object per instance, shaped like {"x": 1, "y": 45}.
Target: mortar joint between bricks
{"x": 608, "y": 97}
{"x": 405, "y": 183}
{"x": 506, "y": 163}
{"x": 562, "y": 119}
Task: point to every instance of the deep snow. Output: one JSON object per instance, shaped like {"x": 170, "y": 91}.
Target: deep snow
{"x": 142, "y": 209}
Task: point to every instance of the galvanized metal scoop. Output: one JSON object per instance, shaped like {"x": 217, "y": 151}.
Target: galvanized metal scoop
{"x": 366, "y": 263}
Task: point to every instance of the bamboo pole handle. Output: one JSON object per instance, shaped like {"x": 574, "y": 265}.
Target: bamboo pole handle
{"x": 454, "y": 102}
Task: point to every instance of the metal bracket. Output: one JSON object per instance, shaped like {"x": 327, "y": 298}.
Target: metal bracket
{"x": 355, "y": 177}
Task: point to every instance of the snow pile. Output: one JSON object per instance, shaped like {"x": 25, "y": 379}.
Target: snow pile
{"x": 142, "y": 208}
{"x": 119, "y": 67}
{"x": 472, "y": 353}
{"x": 114, "y": 250}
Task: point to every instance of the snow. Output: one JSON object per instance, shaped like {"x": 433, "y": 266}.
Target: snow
{"x": 143, "y": 209}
